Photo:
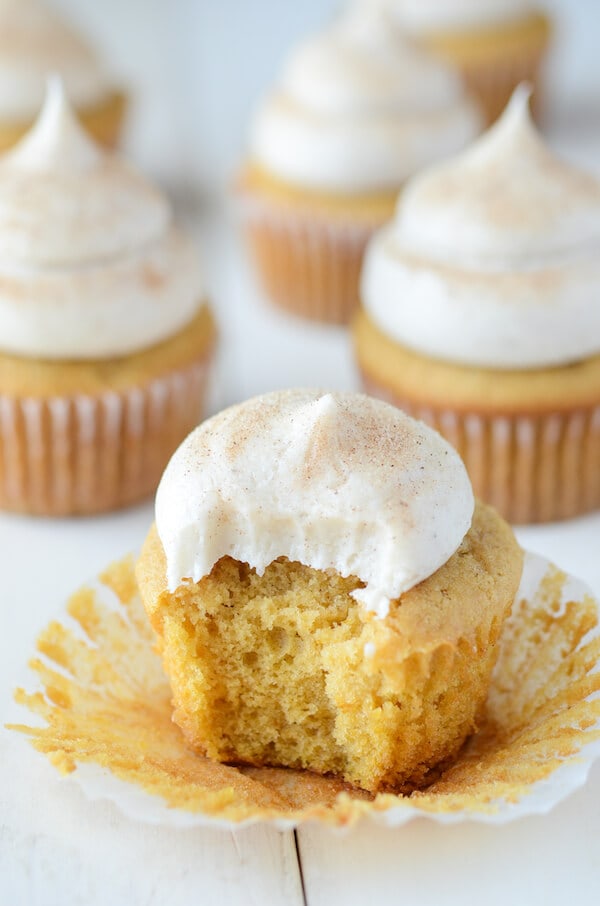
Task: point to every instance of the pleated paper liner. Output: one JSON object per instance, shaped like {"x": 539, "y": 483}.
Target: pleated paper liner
{"x": 531, "y": 468}
{"x": 308, "y": 265}
{"x": 103, "y": 715}
{"x": 89, "y": 453}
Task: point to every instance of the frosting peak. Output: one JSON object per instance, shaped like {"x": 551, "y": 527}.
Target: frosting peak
{"x": 335, "y": 481}
{"x": 507, "y": 196}
{"x": 91, "y": 265}
{"x": 358, "y": 108}
{"x": 56, "y": 141}
{"x": 495, "y": 255}
{"x": 97, "y": 204}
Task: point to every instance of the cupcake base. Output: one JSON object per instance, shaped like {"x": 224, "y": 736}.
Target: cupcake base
{"x": 308, "y": 251}
{"x": 315, "y": 682}
{"x": 530, "y": 440}
{"x": 104, "y": 122}
{"x": 70, "y": 452}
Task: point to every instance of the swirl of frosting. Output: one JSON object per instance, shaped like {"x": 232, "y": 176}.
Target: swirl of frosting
{"x": 91, "y": 265}
{"x": 33, "y": 42}
{"x": 334, "y": 481}
{"x": 424, "y": 16}
{"x": 359, "y": 109}
{"x": 493, "y": 259}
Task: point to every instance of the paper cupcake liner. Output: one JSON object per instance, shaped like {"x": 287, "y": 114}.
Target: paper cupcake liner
{"x": 492, "y": 81}
{"x": 309, "y": 265}
{"x": 84, "y": 454}
{"x": 532, "y": 468}
{"x": 102, "y": 713}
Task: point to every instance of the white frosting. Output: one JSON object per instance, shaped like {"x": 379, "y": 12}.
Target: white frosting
{"x": 493, "y": 259}
{"x": 91, "y": 265}
{"x": 423, "y": 16}
{"x": 33, "y": 42}
{"x": 358, "y": 109}
{"x": 335, "y": 481}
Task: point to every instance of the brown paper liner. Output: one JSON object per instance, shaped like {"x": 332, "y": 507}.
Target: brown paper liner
{"x": 309, "y": 266}
{"x": 532, "y": 468}
{"x": 104, "y": 700}
{"x": 84, "y": 454}
{"x": 104, "y": 123}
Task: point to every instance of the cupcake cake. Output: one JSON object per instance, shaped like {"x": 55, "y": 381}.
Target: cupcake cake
{"x": 480, "y": 316}
{"x": 105, "y": 336}
{"x": 325, "y": 592}
{"x": 356, "y": 111}
{"x": 34, "y": 41}
{"x": 494, "y": 44}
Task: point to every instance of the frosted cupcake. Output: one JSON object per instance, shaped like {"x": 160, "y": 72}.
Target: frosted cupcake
{"x": 480, "y": 316}
{"x": 325, "y": 593}
{"x": 105, "y": 337}
{"x": 356, "y": 111}
{"x": 494, "y": 44}
{"x": 34, "y": 41}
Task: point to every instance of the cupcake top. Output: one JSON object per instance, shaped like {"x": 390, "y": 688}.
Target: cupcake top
{"x": 422, "y": 16}
{"x": 91, "y": 265}
{"x": 493, "y": 258}
{"x": 335, "y": 481}
{"x": 358, "y": 109}
{"x": 33, "y": 42}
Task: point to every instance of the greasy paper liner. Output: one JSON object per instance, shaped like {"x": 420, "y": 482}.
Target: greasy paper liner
{"x": 532, "y": 468}
{"x": 89, "y": 453}
{"x": 491, "y": 81}
{"x": 309, "y": 264}
{"x": 104, "y": 708}
{"x": 104, "y": 122}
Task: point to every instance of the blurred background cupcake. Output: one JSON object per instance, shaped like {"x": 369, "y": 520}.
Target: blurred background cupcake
{"x": 494, "y": 44}
{"x": 481, "y": 317}
{"x": 355, "y": 112}
{"x": 105, "y": 334}
{"x": 36, "y": 41}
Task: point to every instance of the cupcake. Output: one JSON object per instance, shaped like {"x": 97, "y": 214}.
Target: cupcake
{"x": 325, "y": 593}
{"x": 480, "y": 316}
{"x": 105, "y": 336}
{"x": 34, "y": 41}
{"x": 494, "y": 44}
{"x": 356, "y": 111}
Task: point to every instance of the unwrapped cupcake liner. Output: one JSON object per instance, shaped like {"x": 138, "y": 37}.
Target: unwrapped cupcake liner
{"x": 102, "y": 715}
{"x": 88, "y": 453}
{"x": 532, "y": 468}
{"x": 309, "y": 264}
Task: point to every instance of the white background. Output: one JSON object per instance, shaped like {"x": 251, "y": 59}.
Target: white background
{"x": 196, "y": 67}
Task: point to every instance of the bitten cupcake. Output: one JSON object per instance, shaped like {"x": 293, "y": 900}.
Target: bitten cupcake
{"x": 494, "y": 44}
{"x": 481, "y": 316}
{"x": 356, "y": 111}
{"x": 105, "y": 336}
{"x": 325, "y": 594}
{"x": 34, "y": 41}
